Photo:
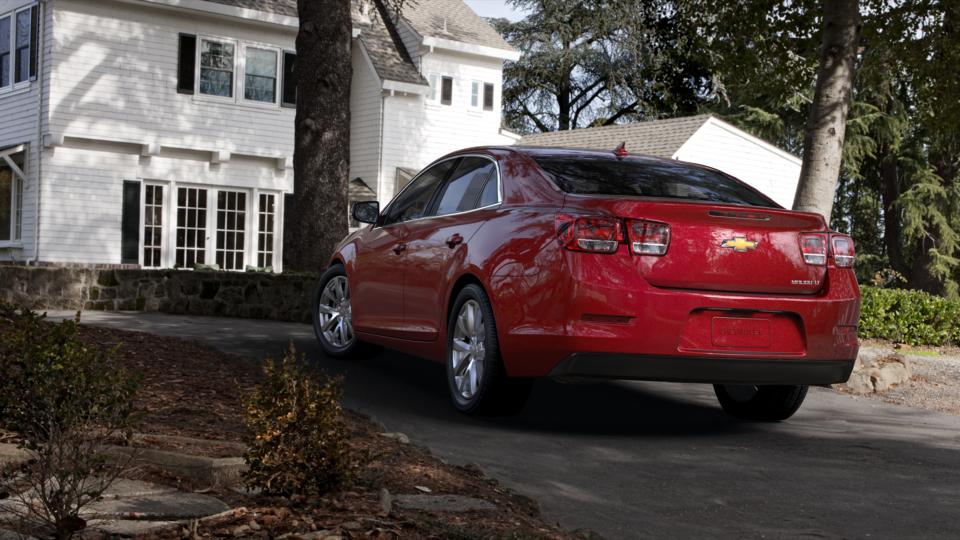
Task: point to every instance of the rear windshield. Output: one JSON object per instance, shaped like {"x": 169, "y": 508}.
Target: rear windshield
{"x": 638, "y": 177}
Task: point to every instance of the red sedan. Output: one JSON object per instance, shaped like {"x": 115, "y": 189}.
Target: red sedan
{"x": 509, "y": 263}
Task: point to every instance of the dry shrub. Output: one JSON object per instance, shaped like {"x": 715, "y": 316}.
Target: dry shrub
{"x": 299, "y": 438}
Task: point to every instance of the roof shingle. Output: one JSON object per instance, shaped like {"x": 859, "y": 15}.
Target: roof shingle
{"x": 660, "y": 138}
{"x": 451, "y": 19}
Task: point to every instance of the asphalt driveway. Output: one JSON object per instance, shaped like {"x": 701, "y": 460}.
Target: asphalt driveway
{"x": 653, "y": 460}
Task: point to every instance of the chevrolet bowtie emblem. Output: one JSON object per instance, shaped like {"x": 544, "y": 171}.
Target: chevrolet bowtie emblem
{"x": 740, "y": 244}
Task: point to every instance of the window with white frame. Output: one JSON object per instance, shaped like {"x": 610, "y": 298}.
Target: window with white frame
{"x": 191, "y": 227}
{"x": 153, "y": 226}
{"x": 18, "y": 31}
{"x": 266, "y": 214}
{"x": 231, "y": 226}
{"x": 11, "y": 193}
{"x": 217, "y": 60}
{"x": 261, "y": 70}
{"x": 475, "y": 87}
{"x": 434, "y": 80}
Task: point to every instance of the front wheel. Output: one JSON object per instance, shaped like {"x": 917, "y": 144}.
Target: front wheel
{"x": 332, "y": 313}
{"x": 476, "y": 375}
{"x": 760, "y": 403}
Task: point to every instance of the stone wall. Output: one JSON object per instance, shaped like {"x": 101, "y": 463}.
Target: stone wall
{"x": 283, "y": 297}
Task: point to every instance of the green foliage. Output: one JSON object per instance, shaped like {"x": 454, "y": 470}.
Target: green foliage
{"x": 909, "y": 316}
{"x": 299, "y": 440}
{"x": 52, "y": 382}
{"x": 64, "y": 400}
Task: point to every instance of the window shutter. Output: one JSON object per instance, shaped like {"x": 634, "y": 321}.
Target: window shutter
{"x": 186, "y": 66}
{"x": 130, "y": 224}
{"x": 487, "y": 97}
{"x": 34, "y": 40}
{"x": 446, "y": 91}
{"x": 289, "y": 98}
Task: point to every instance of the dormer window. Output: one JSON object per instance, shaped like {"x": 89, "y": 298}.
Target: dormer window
{"x": 216, "y": 68}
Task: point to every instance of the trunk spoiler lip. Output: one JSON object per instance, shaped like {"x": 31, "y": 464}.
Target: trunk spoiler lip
{"x": 574, "y": 200}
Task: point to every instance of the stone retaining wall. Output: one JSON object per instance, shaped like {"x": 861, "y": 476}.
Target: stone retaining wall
{"x": 283, "y": 297}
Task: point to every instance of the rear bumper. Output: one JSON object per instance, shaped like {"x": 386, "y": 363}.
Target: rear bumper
{"x": 703, "y": 370}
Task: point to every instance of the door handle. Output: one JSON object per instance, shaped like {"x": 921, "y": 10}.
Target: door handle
{"x": 454, "y": 241}
{"x": 399, "y": 248}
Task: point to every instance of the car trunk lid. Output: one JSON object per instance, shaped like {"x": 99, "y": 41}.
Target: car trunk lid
{"x": 720, "y": 247}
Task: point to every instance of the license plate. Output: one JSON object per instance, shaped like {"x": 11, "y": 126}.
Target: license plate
{"x": 740, "y": 332}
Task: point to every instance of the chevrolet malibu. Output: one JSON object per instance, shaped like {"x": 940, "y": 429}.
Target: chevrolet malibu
{"x": 511, "y": 263}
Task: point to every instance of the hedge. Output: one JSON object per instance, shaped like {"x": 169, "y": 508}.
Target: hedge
{"x": 908, "y": 316}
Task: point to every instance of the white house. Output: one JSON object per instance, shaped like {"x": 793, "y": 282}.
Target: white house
{"x": 159, "y": 133}
{"x": 703, "y": 139}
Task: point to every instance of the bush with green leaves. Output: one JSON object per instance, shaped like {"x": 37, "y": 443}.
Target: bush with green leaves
{"x": 298, "y": 443}
{"x": 63, "y": 399}
{"x": 909, "y": 316}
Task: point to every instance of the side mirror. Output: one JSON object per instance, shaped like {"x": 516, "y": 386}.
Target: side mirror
{"x": 366, "y": 211}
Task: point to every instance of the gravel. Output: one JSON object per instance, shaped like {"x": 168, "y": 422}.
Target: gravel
{"x": 934, "y": 385}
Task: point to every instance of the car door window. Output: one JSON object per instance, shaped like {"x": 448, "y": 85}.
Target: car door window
{"x": 413, "y": 201}
{"x": 462, "y": 192}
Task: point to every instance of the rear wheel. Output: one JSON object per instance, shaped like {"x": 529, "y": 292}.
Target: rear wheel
{"x": 760, "y": 403}
{"x": 476, "y": 377}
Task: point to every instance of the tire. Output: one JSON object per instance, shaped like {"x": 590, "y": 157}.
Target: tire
{"x": 485, "y": 389}
{"x": 325, "y": 302}
{"x": 760, "y": 403}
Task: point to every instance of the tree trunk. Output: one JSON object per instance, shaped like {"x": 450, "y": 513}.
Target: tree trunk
{"x": 892, "y": 224}
{"x": 316, "y": 215}
{"x": 823, "y": 142}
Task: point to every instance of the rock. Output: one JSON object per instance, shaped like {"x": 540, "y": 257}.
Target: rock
{"x": 859, "y": 383}
{"x": 315, "y": 535}
{"x": 423, "y": 489}
{"x": 130, "y": 527}
{"x": 444, "y": 503}
{"x": 241, "y": 530}
{"x": 386, "y": 502}
{"x": 165, "y": 506}
{"x": 399, "y": 437}
{"x": 888, "y": 376}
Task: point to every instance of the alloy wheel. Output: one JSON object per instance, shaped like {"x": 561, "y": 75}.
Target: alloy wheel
{"x": 334, "y": 313}
{"x": 469, "y": 349}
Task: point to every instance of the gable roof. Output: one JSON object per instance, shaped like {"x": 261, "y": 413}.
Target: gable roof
{"x": 662, "y": 138}
{"x": 453, "y": 20}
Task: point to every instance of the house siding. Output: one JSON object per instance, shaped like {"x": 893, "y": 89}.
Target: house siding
{"x": 114, "y": 89}
{"x": 418, "y": 131}
{"x": 771, "y": 172}
{"x": 20, "y": 115}
{"x": 365, "y": 120}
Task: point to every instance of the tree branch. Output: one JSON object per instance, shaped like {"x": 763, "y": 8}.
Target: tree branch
{"x": 626, "y": 110}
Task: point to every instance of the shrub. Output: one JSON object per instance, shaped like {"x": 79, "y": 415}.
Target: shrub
{"x": 64, "y": 400}
{"x": 298, "y": 443}
{"x": 909, "y": 316}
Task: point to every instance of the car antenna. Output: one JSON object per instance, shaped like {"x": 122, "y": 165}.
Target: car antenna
{"x": 621, "y": 151}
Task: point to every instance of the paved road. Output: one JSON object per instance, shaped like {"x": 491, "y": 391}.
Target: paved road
{"x": 646, "y": 460}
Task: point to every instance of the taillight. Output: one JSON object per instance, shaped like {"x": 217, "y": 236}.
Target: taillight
{"x": 814, "y": 248}
{"x": 842, "y": 249}
{"x": 592, "y": 234}
{"x": 648, "y": 237}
